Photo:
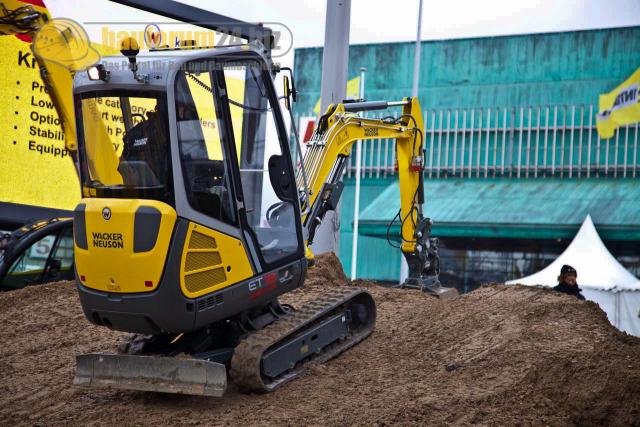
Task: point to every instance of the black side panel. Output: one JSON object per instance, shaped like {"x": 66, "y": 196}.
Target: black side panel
{"x": 80, "y": 227}
{"x": 145, "y": 228}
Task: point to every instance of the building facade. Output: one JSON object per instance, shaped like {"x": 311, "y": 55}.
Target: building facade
{"x": 513, "y": 161}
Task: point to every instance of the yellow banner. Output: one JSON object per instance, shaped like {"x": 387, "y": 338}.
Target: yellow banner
{"x": 353, "y": 91}
{"x": 35, "y": 167}
{"x": 619, "y": 107}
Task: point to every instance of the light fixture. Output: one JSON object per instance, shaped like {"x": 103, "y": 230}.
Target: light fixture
{"x": 98, "y": 72}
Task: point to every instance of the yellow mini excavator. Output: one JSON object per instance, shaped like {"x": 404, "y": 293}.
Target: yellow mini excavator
{"x": 194, "y": 220}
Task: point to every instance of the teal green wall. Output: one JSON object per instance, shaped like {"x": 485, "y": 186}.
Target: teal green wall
{"x": 377, "y": 260}
{"x": 525, "y": 209}
{"x": 537, "y": 69}
{"x": 564, "y": 69}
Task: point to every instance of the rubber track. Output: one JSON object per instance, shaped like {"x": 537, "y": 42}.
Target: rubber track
{"x": 246, "y": 361}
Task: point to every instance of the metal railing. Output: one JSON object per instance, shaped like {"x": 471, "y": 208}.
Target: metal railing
{"x": 516, "y": 142}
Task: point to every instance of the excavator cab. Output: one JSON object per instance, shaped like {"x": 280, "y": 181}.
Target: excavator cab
{"x": 186, "y": 166}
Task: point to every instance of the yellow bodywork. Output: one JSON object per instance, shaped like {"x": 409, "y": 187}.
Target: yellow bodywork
{"x": 344, "y": 129}
{"x": 110, "y": 264}
{"x": 211, "y": 261}
{"x": 309, "y": 255}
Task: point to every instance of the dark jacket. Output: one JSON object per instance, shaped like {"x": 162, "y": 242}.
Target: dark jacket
{"x": 569, "y": 290}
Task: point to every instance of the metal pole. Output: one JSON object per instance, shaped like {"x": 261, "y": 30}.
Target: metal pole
{"x": 486, "y": 144}
{"x": 504, "y": 138}
{"x": 635, "y": 150}
{"x": 404, "y": 268}
{"x": 335, "y": 55}
{"x": 333, "y": 88}
{"x": 441, "y": 120}
{"x": 455, "y": 143}
{"x": 416, "y": 56}
{"x": 520, "y": 140}
{"x": 356, "y": 203}
{"x": 589, "y": 141}
{"x": 433, "y": 138}
{"x": 479, "y": 152}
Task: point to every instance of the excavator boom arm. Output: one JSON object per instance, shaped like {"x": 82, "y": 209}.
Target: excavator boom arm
{"x": 324, "y": 161}
{"x": 331, "y": 145}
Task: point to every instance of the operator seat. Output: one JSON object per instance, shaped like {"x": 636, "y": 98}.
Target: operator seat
{"x": 143, "y": 162}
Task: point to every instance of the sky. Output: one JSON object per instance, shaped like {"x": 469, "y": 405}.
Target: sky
{"x": 374, "y": 21}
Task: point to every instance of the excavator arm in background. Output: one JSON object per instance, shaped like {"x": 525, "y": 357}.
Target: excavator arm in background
{"x": 323, "y": 166}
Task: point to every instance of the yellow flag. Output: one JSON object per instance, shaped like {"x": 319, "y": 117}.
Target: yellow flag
{"x": 353, "y": 90}
{"x": 619, "y": 107}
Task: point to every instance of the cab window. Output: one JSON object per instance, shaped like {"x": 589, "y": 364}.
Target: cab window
{"x": 126, "y": 146}
{"x": 202, "y": 155}
{"x": 262, "y": 161}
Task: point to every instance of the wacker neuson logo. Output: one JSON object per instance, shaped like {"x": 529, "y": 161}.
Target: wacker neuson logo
{"x": 107, "y": 240}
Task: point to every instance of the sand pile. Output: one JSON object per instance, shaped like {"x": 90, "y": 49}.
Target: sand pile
{"x": 499, "y": 355}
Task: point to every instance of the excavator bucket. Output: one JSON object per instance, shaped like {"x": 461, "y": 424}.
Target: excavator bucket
{"x": 149, "y": 373}
{"x": 444, "y": 293}
{"x": 430, "y": 285}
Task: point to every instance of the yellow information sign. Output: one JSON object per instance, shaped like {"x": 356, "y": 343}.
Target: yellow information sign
{"x": 35, "y": 167}
{"x": 353, "y": 90}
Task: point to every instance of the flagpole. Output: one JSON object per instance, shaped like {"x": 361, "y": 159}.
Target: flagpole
{"x": 356, "y": 203}
{"x": 416, "y": 56}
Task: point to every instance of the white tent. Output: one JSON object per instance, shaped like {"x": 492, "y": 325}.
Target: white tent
{"x": 600, "y": 276}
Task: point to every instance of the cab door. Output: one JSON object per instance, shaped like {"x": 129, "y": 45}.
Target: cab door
{"x": 271, "y": 209}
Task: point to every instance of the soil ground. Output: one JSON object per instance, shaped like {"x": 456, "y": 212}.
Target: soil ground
{"x": 501, "y": 355}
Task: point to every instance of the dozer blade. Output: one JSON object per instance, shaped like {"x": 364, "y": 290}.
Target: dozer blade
{"x": 149, "y": 373}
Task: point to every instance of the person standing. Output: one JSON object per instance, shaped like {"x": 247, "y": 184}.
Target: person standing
{"x": 568, "y": 282}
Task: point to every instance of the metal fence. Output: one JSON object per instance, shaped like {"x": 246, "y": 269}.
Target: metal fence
{"x": 469, "y": 269}
{"x": 515, "y": 142}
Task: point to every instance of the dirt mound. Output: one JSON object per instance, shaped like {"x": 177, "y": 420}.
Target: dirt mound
{"x": 499, "y": 355}
{"x": 326, "y": 272}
